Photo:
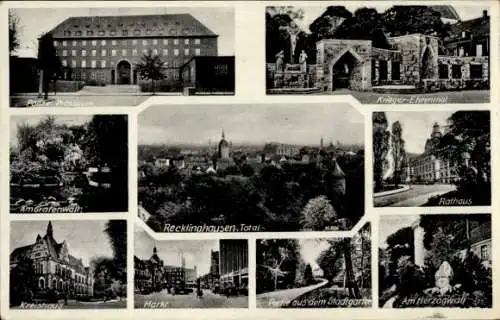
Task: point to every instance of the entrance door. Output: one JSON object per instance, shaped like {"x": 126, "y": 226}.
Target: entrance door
{"x": 112, "y": 76}
{"x": 382, "y": 70}
{"x": 342, "y": 71}
{"x": 123, "y": 70}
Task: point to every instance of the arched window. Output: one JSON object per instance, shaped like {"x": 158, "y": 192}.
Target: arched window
{"x": 54, "y": 284}
{"x": 41, "y": 283}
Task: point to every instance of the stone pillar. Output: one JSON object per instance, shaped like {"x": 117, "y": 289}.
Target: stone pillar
{"x": 377, "y": 63}
{"x": 389, "y": 70}
{"x": 418, "y": 243}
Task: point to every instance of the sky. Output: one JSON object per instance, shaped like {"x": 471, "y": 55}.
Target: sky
{"x": 196, "y": 252}
{"x": 390, "y": 224}
{"x": 310, "y": 249}
{"x": 85, "y": 238}
{"x": 417, "y": 126}
{"x": 312, "y": 12}
{"x": 34, "y": 120}
{"x": 302, "y": 124}
{"x": 36, "y": 21}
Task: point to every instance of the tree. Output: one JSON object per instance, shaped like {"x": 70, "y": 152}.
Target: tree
{"x": 151, "y": 67}
{"x": 318, "y": 214}
{"x": 48, "y": 62}
{"x": 22, "y": 282}
{"x": 380, "y": 147}
{"x": 398, "y": 151}
{"x": 116, "y": 231}
{"x": 308, "y": 275}
{"x": 14, "y": 23}
{"x": 403, "y": 20}
{"x": 325, "y": 25}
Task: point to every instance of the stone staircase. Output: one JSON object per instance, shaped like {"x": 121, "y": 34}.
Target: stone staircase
{"x": 111, "y": 89}
{"x": 395, "y": 89}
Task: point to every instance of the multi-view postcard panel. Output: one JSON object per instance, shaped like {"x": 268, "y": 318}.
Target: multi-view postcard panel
{"x": 119, "y": 56}
{"x": 68, "y": 264}
{"x": 315, "y": 273}
{"x": 68, "y": 164}
{"x": 437, "y": 158}
{"x": 190, "y": 273}
{"x": 435, "y": 261}
{"x": 251, "y": 168}
{"x": 380, "y": 53}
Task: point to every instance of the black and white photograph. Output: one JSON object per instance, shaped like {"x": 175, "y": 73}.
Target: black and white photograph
{"x": 190, "y": 273}
{"x": 380, "y": 53}
{"x": 431, "y": 158}
{"x": 68, "y": 164}
{"x": 315, "y": 273}
{"x": 435, "y": 261}
{"x": 85, "y": 57}
{"x": 68, "y": 264}
{"x": 251, "y": 168}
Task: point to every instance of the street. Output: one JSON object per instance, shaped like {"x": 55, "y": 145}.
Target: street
{"x": 282, "y": 298}
{"x": 418, "y": 195}
{"x": 209, "y": 300}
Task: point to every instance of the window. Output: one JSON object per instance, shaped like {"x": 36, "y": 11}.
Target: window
{"x": 144, "y": 42}
{"x": 165, "y": 41}
{"x": 395, "y": 70}
{"x": 78, "y": 33}
{"x": 93, "y": 63}
{"x": 479, "y": 50}
{"x": 65, "y": 53}
{"x": 464, "y": 34}
{"x": 476, "y": 71}
{"x": 137, "y": 32}
{"x": 103, "y": 42}
{"x": 101, "y": 32}
{"x": 73, "y": 53}
{"x": 103, "y": 63}
{"x": 113, "y": 42}
{"x": 145, "y": 51}
{"x": 84, "y": 42}
{"x": 124, "y": 52}
{"x": 65, "y": 43}
{"x": 124, "y": 33}
{"x": 103, "y": 52}
{"x": 84, "y": 64}
{"x": 84, "y": 53}
{"x": 90, "y": 33}
{"x": 73, "y": 63}
{"x": 197, "y": 51}
{"x": 124, "y": 42}
{"x": 112, "y": 33}
{"x": 176, "y": 41}
{"x": 148, "y": 31}
{"x": 484, "y": 252}
{"x": 94, "y": 53}
{"x": 155, "y": 41}
{"x": 155, "y": 51}
{"x": 94, "y": 43}
{"x": 113, "y": 53}
{"x": 196, "y": 41}
{"x": 443, "y": 71}
{"x": 64, "y": 63}
{"x": 55, "y": 43}
{"x": 186, "y": 52}
{"x": 134, "y": 41}
{"x": 165, "y": 52}
{"x": 461, "y": 52}
{"x": 67, "y": 33}
{"x": 73, "y": 43}
{"x": 186, "y": 41}
{"x": 176, "y": 52}
{"x": 456, "y": 71}
{"x": 134, "y": 52}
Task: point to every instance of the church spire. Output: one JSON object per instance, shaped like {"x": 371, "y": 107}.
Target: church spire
{"x": 154, "y": 248}
{"x": 50, "y": 231}
{"x": 223, "y": 135}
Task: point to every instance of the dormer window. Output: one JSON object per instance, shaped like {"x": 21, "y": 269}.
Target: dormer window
{"x": 148, "y": 31}
{"x": 90, "y": 33}
{"x": 78, "y": 33}
{"x": 137, "y": 32}
{"x": 112, "y": 32}
{"x": 67, "y": 33}
{"x": 101, "y": 32}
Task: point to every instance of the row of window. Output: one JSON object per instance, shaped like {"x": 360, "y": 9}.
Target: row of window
{"x": 475, "y": 71}
{"x": 126, "y": 33}
{"x": 145, "y": 42}
{"x": 124, "y": 52}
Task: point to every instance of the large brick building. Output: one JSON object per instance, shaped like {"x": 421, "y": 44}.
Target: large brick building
{"x": 107, "y": 48}
{"x": 233, "y": 263}
{"x": 54, "y": 267}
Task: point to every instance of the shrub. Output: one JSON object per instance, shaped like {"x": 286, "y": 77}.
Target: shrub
{"x": 66, "y": 86}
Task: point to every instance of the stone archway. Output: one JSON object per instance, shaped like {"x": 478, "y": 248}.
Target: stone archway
{"x": 124, "y": 72}
{"x": 345, "y": 71}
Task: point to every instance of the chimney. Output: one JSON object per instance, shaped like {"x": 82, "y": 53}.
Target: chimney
{"x": 485, "y": 13}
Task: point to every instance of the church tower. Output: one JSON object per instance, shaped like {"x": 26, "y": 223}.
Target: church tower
{"x": 50, "y": 231}
{"x": 223, "y": 147}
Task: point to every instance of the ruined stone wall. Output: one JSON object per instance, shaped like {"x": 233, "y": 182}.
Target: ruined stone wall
{"x": 389, "y": 56}
{"x": 330, "y": 50}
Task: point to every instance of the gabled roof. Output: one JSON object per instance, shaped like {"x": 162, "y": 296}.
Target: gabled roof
{"x": 162, "y": 25}
{"x": 479, "y": 27}
{"x": 480, "y": 233}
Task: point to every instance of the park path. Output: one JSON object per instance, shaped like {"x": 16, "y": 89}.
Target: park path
{"x": 282, "y": 298}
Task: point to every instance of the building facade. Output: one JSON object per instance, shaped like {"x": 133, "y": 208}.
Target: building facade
{"x": 106, "y": 49}
{"x": 233, "y": 261}
{"x": 436, "y": 164}
{"x": 55, "y": 268}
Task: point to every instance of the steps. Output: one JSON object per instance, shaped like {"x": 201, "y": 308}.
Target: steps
{"x": 111, "y": 89}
